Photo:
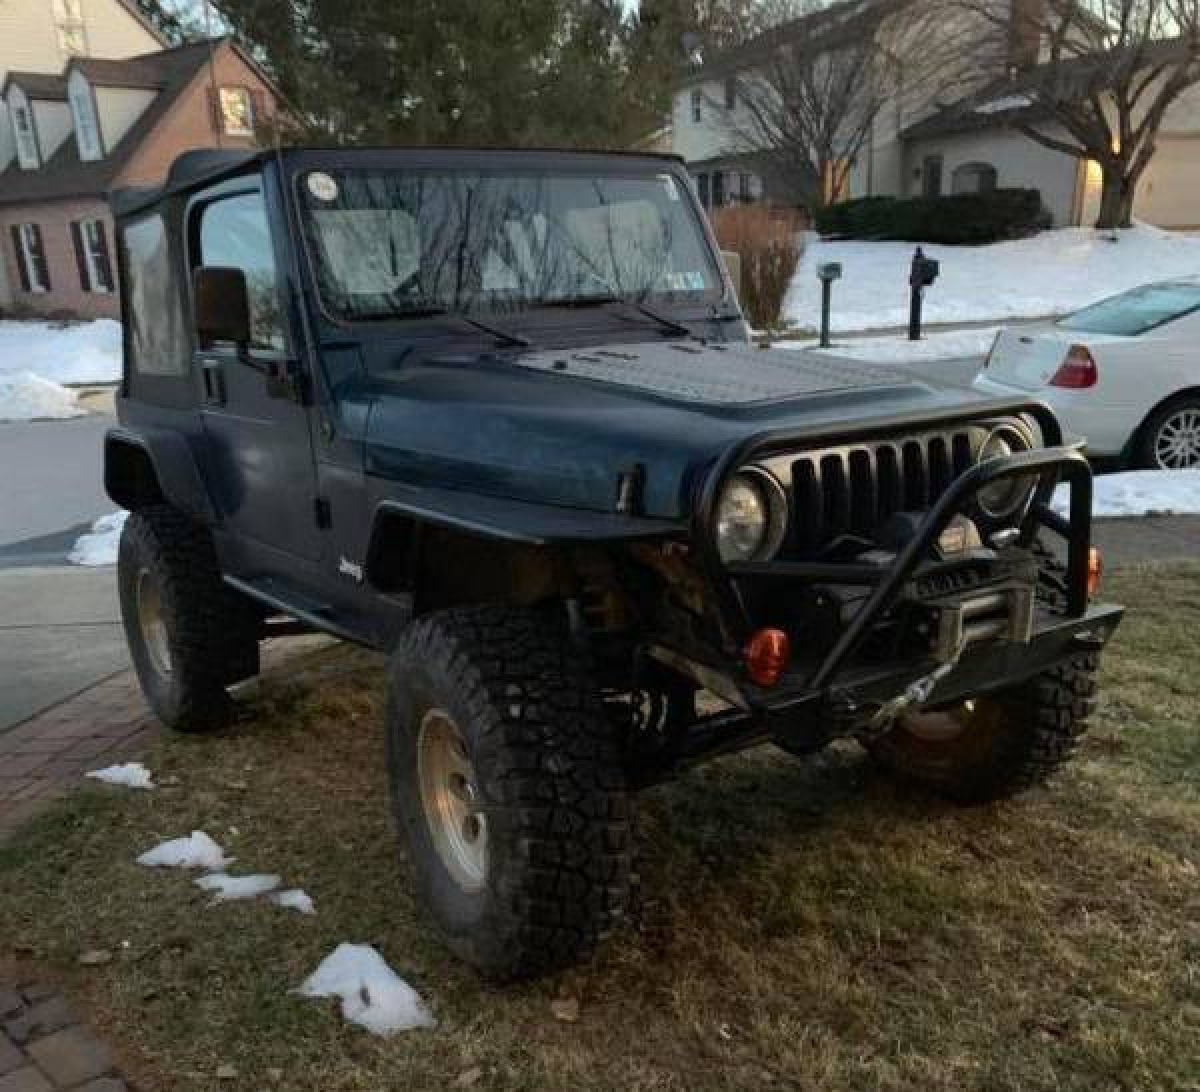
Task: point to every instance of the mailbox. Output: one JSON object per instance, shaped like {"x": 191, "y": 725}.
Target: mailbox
{"x": 924, "y": 270}
{"x": 829, "y": 271}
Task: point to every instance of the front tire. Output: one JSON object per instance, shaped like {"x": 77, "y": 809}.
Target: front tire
{"x": 507, "y": 786}
{"x": 999, "y": 745}
{"x": 189, "y": 635}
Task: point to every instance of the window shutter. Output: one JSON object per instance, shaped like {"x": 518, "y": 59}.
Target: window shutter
{"x": 19, "y": 251}
{"x": 39, "y": 257}
{"x": 85, "y": 281}
{"x": 214, "y": 107}
{"x": 258, "y": 108}
{"x": 103, "y": 262}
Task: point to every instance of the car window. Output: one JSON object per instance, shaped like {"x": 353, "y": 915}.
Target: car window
{"x": 153, "y": 308}
{"x": 388, "y": 243}
{"x": 234, "y": 232}
{"x": 1137, "y": 311}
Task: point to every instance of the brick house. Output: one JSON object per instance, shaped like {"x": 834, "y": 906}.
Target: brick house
{"x": 98, "y": 125}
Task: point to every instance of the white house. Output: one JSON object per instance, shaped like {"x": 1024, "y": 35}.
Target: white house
{"x": 920, "y": 144}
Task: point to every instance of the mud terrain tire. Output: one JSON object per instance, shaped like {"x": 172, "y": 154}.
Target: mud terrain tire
{"x": 531, "y": 763}
{"x": 190, "y": 635}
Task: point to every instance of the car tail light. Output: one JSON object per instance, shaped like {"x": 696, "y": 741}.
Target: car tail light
{"x": 1077, "y": 371}
{"x": 767, "y": 654}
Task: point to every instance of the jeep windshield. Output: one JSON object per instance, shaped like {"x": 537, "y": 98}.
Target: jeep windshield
{"x": 397, "y": 244}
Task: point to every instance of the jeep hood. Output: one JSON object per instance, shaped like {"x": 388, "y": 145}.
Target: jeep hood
{"x": 561, "y": 427}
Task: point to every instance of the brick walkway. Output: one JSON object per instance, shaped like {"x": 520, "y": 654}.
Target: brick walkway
{"x": 44, "y": 757}
{"x": 44, "y": 1048}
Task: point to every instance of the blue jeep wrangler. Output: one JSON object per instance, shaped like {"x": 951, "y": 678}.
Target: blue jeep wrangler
{"x": 496, "y": 415}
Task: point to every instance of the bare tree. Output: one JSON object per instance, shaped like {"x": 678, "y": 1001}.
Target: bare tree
{"x": 815, "y": 86}
{"x": 1094, "y": 79}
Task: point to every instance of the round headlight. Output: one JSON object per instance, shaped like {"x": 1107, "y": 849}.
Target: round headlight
{"x": 1005, "y": 497}
{"x": 751, "y": 517}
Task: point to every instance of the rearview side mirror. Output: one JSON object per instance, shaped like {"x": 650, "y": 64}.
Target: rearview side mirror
{"x": 222, "y": 305}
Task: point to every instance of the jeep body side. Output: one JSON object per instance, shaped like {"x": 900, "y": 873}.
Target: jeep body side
{"x": 496, "y": 415}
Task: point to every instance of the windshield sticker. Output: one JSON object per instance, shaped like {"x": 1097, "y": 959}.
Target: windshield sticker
{"x": 322, "y": 186}
{"x": 685, "y": 282}
{"x": 668, "y": 184}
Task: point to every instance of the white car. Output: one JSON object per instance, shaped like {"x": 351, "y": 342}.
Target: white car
{"x": 1123, "y": 374}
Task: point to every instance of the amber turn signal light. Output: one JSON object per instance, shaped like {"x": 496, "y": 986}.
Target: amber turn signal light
{"x": 767, "y": 655}
{"x": 1095, "y": 572}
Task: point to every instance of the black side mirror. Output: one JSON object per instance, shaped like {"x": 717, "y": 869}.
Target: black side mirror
{"x": 222, "y": 305}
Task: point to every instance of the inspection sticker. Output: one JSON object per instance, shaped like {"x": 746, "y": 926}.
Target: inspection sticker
{"x": 322, "y": 186}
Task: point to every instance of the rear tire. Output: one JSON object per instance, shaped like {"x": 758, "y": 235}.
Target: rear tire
{"x": 1170, "y": 437}
{"x": 189, "y": 634}
{"x": 1003, "y": 744}
{"x": 507, "y": 785}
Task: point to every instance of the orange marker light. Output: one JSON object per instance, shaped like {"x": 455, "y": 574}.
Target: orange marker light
{"x": 1095, "y": 572}
{"x": 767, "y": 655}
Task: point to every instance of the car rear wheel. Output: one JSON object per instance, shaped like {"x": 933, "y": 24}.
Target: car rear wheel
{"x": 1170, "y": 438}
{"x": 997, "y": 745}
{"x": 190, "y": 636}
{"x": 507, "y": 785}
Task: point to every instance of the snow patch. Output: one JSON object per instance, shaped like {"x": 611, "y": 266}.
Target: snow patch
{"x": 1053, "y": 273}
{"x": 1139, "y": 493}
{"x": 294, "y": 899}
{"x": 948, "y": 345}
{"x": 228, "y": 888}
{"x": 197, "y": 850}
{"x": 373, "y": 995}
{"x": 132, "y": 775}
{"x": 99, "y": 545}
{"x": 78, "y": 352}
{"x": 28, "y": 397}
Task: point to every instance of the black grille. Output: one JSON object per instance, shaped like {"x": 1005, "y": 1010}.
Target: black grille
{"x": 853, "y": 490}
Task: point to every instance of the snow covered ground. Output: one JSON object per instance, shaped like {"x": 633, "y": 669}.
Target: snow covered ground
{"x": 1141, "y": 493}
{"x": 99, "y": 545}
{"x": 28, "y": 397}
{"x": 1051, "y": 274}
{"x": 81, "y": 352}
{"x": 38, "y": 360}
{"x": 947, "y": 345}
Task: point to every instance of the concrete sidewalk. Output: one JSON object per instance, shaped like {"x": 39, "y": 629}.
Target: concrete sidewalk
{"x": 60, "y": 632}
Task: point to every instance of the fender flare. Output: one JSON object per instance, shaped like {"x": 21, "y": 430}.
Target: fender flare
{"x": 175, "y": 475}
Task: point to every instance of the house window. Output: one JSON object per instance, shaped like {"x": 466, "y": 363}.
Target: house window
{"x": 931, "y": 176}
{"x": 27, "y": 150}
{"x": 730, "y": 92}
{"x": 31, "y": 258}
{"x": 237, "y": 111}
{"x": 87, "y": 136}
{"x": 973, "y": 178}
{"x": 718, "y": 189}
{"x": 697, "y": 105}
{"x": 702, "y": 189}
{"x": 71, "y": 27}
{"x": 91, "y": 256}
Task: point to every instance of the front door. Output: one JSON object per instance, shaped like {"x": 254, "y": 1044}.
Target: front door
{"x": 260, "y": 456}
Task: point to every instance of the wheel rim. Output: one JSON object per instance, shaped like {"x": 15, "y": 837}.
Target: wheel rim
{"x": 944, "y": 725}
{"x": 1177, "y": 443}
{"x": 452, "y": 801}
{"x": 151, "y": 622}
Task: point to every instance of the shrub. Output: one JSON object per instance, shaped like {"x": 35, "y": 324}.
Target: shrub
{"x": 961, "y": 218}
{"x": 767, "y": 240}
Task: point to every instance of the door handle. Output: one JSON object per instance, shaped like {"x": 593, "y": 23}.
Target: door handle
{"x": 214, "y": 382}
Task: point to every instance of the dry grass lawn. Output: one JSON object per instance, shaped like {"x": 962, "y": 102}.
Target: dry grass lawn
{"x": 803, "y": 924}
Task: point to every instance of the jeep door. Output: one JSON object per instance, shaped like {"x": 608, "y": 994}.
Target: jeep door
{"x": 260, "y": 456}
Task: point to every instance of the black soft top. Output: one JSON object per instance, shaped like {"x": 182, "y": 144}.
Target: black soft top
{"x": 202, "y": 166}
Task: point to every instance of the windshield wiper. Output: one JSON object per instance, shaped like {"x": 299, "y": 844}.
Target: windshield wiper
{"x": 504, "y": 337}
{"x": 678, "y": 329}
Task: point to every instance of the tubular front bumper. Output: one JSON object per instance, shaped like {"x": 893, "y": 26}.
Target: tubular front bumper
{"x": 987, "y": 665}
